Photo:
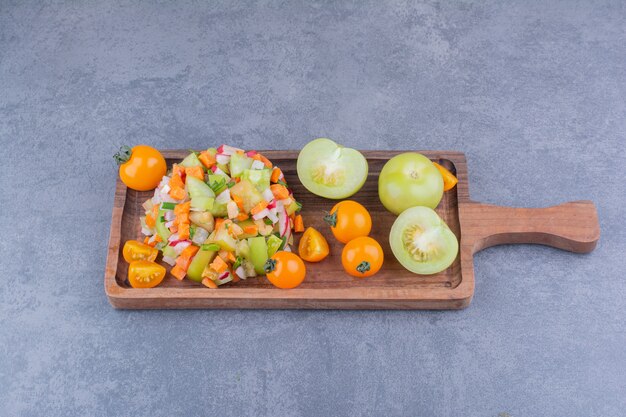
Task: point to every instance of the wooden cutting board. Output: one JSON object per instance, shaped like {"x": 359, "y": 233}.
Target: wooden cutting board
{"x": 571, "y": 226}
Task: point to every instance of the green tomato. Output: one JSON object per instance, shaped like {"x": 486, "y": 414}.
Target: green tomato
{"x": 408, "y": 180}
{"x": 330, "y": 170}
{"x": 191, "y": 160}
{"x": 258, "y": 253}
{"x": 422, "y": 242}
{"x": 199, "y": 262}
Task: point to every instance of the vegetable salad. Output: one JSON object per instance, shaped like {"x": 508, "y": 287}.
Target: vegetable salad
{"x": 220, "y": 214}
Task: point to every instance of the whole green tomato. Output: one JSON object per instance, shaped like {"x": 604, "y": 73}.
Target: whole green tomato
{"x": 408, "y": 180}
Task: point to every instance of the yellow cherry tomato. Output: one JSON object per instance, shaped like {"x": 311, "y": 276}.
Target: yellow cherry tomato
{"x": 141, "y": 168}
{"x": 285, "y": 270}
{"x": 362, "y": 257}
{"x": 313, "y": 247}
{"x": 137, "y": 251}
{"x": 348, "y": 220}
{"x": 145, "y": 274}
{"x": 449, "y": 180}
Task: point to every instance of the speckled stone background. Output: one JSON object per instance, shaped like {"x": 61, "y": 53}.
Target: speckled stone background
{"x": 532, "y": 91}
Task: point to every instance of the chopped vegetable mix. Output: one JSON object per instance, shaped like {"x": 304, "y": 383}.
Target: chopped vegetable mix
{"x": 218, "y": 215}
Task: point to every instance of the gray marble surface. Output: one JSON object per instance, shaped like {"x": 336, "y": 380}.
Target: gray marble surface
{"x": 532, "y": 91}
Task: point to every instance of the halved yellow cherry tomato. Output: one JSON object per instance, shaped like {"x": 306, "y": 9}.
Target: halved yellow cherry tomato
{"x": 313, "y": 247}
{"x": 145, "y": 274}
{"x": 285, "y": 270}
{"x": 141, "y": 168}
{"x": 449, "y": 180}
{"x": 137, "y": 251}
{"x": 348, "y": 220}
{"x": 362, "y": 257}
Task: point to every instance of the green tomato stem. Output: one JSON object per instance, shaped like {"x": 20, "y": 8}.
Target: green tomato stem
{"x": 123, "y": 155}
{"x": 331, "y": 219}
{"x": 270, "y": 265}
{"x": 363, "y": 267}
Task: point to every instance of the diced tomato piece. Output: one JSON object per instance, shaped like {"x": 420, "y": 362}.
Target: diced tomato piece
{"x": 207, "y": 159}
{"x": 218, "y": 265}
{"x": 196, "y": 172}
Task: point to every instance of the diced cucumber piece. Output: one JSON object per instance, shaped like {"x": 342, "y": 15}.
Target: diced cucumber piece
{"x": 258, "y": 253}
{"x": 202, "y": 196}
{"x": 260, "y": 178}
{"x": 224, "y": 167}
{"x": 191, "y": 160}
{"x": 169, "y": 252}
{"x": 245, "y": 190}
{"x": 243, "y": 249}
{"x": 292, "y": 208}
{"x": 273, "y": 245}
{"x": 219, "y": 210}
{"x": 225, "y": 240}
{"x": 238, "y": 163}
{"x": 199, "y": 262}
{"x": 161, "y": 229}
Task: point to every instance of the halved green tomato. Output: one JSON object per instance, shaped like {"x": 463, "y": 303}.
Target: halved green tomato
{"x": 330, "y": 170}
{"x": 422, "y": 242}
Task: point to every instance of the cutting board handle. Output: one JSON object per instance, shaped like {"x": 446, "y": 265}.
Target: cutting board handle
{"x": 570, "y": 226}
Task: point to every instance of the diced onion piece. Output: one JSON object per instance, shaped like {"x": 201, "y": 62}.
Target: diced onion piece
{"x": 147, "y": 205}
{"x": 232, "y": 209}
{"x": 272, "y": 216}
{"x": 286, "y": 248}
{"x": 228, "y": 150}
{"x": 241, "y": 273}
{"x": 267, "y": 195}
{"x": 257, "y": 165}
{"x": 222, "y": 159}
{"x": 146, "y": 232}
{"x": 224, "y": 197}
{"x": 200, "y": 236}
{"x": 261, "y": 214}
{"x": 169, "y": 260}
{"x": 180, "y": 246}
{"x": 173, "y": 237}
{"x": 218, "y": 171}
{"x": 169, "y": 224}
{"x": 169, "y": 215}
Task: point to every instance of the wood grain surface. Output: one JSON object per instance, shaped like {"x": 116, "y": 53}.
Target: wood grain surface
{"x": 571, "y": 226}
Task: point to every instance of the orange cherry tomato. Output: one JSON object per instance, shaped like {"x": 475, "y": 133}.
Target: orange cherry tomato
{"x": 285, "y": 270}
{"x": 313, "y": 247}
{"x": 137, "y": 251}
{"x": 362, "y": 257}
{"x": 145, "y": 274}
{"x": 348, "y": 220}
{"x": 449, "y": 180}
{"x": 141, "y": 168}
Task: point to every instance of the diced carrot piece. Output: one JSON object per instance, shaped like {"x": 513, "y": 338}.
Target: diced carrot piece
{"x": 242, "y": 216}
{"x": 218, "y": 265}
{"x": 150, "y": 221}
{"x": 182, "y": 218}
{"x": 196, "y": 171}
{"x": 146, "y": 240}
{"x": 219, "y": 222}
{"x": 237, "y": 200}
{"x": 235, "y": 277}
{"x": 176, "y": 181}
{"x": 178, "y": 272}
{"x": 252, "y": 229}
{"x": 178, "y": 170}
{"x": 183, "y": 231}
{"x": 263, "y": 159}
{"x": 276, "y": 174}
{"x": 207, "y": 159}
{"x": 178, "y": 193}
{"x": 231, "y": 257}
{"x": 155, "y": 211}
{"x": 189, "y": 251}
{"x": 157, "y": 238}
{"x": 259, "y": 207}
{"x": 183, "y": 263}
{"x": 224, "y": 255}
{"x": 298, "y": 224}
{"x": 182, "y": 208}
{"x": 280, "y": 191}
{"x": 209, "y": 283}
